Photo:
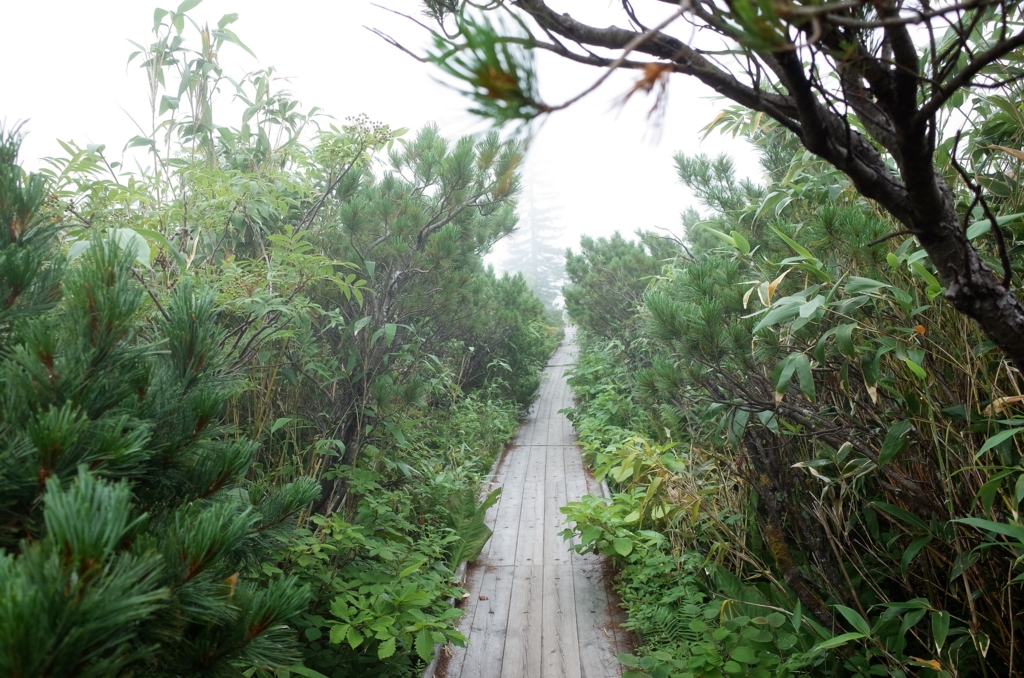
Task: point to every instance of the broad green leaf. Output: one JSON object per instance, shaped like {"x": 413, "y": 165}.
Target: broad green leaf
{"x": 895, "y": 440}
{"x": 808, "y": 309}
{"x": 229, "y": 36}
{"x": 741, "y": 243}
{"x": 784, "y": 373}
{"x": 279, "y": 422}
{"x": 412, "y": 568}
{"x": 987, "y": 493}
{"x": 844, "y": 339}
{"x": 386, "y": 648}
{"x": 745, "y": 654}
{"x": 856, "y": 285}
{"x": 940, "y": 628}
{"x": 912, "y": 551}
{"x": 784, "y": 309}
{"x": 360, "y": 324}
{"x": 910, "y": 619}
{"x": 187, "y": 5}
{"x": 721, "y": 236}
{"x": 927, "y": 275}
{"x": 997, "y": 439}
{"x": 592, "y": 532}
{"x": 338, "y": 633}
{"x": 354, "y": 637}
{"x": 837, "y": 641}
{"x": 424, "y": 645}
{"x": 623, "y": 546}
{"x": 168, "y": 103}
{"x": 797, "y": 247}
{"x": 733, "y": 668}
{"x": 903, "y": 514}
{"x": 856, "y": 620}
{"x": 130, "y": 241}
{"x": 984, "y": 226}
{"x": 804, "y": 375}
{"x": 162, "y": 240}
{"x": 915, "y": 368}
{"x": 77, "y": 248}
{"x": 137, "y": 141}
{"x": 1014, "y": 531}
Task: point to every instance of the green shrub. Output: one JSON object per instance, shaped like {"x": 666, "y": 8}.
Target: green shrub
{"x": 128, "y": 527}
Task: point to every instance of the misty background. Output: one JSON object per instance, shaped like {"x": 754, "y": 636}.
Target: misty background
{"x": 593, "y": 169}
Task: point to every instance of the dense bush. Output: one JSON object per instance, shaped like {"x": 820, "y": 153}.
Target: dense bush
{"x": 607, "y": 280}
{"x": 129, "y": 531}
{"x": 814, "y": 428}
{"x": 264, "y": 313}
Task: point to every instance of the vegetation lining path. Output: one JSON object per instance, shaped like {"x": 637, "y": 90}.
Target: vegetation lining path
{"x": 535, "y": 608}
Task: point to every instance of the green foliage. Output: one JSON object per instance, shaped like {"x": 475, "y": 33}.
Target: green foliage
{"x": 466, "y": 519}
{"x": 127, "y": 521}
{"x": 793, "y": 407}
{"x": 386, "y": 575}
{"x": 29, "y": 275}
{"x": 498, "y": 68}
{"x": 607, "y": 280}
{"x": 267, "y": 309}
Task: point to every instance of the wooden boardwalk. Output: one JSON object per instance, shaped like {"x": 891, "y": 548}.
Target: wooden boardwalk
{"x": 536, "y": 609}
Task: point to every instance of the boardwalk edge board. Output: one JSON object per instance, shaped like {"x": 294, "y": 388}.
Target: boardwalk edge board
{"x": 460, "y": 572}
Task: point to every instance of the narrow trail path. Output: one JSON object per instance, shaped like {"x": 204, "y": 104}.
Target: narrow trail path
{"x": 536, "y": 609}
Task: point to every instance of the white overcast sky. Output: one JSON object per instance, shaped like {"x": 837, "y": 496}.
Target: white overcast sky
{"x": 600, "y": 166}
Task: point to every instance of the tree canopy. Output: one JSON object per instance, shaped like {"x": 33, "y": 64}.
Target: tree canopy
{"x": 880, "y": 91}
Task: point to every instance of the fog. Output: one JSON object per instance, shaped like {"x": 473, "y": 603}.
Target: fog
{"x": 599, "y": 165}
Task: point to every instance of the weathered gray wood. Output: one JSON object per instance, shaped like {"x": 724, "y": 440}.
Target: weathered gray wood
{"x": 530, "y": 545}
{"x": 501, "y": 547}
{"x": 493, "y": 596}
{"x": 522, "y": 657}
{"x": 556, "y": 551}
{"x": 599, "y": 640}
{"x": 560, "y": 647}
{"x": 598, "y": 637}
{"x": 474, "y": 582}
{"x": 546, "y": 610}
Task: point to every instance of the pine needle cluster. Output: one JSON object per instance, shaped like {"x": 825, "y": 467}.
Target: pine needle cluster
{"x": 126, "y": 526}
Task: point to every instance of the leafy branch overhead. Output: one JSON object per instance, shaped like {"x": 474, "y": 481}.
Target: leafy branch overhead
{"x": 869, "y": 87}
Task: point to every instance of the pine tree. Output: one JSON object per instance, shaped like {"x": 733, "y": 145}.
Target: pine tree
{"x": 533, "y": 250}
{"x": 28, "y": 275}
{"x": 127, "y": 527}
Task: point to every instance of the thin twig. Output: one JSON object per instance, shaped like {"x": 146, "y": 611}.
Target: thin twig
{"x": 152, "y": 294}
{"x": 997, "y": 231}
{"x": 629, "y": 47}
